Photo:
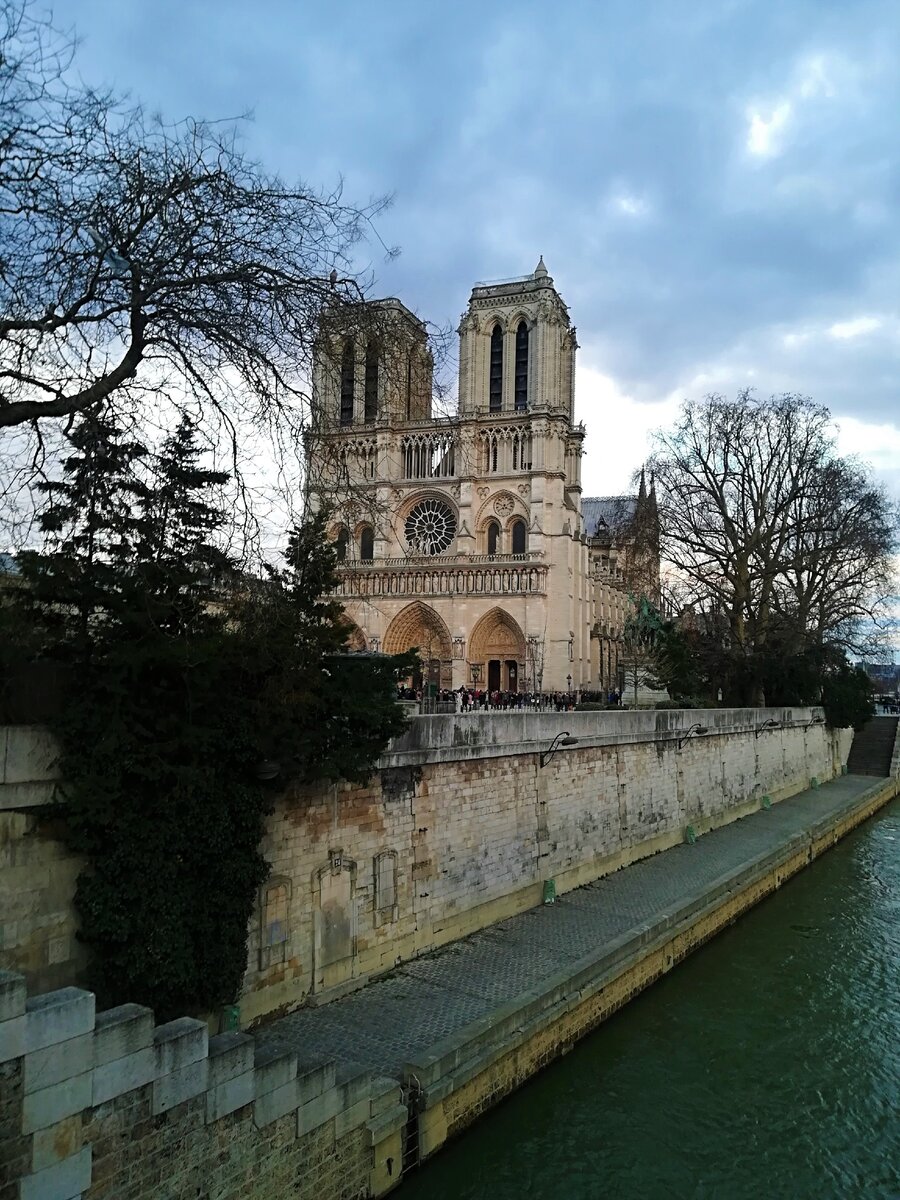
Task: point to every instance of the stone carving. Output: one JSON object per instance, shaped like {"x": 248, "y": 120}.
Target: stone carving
{"x": 483, "y": 491}
{"x": 523, "y": 489}
{"x": 503, "y": 506}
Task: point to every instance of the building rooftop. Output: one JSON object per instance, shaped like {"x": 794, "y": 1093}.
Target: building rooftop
{"x": 607, "y": 513}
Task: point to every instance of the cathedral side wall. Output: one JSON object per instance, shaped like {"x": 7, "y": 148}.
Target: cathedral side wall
{"x": 459, "y": 828}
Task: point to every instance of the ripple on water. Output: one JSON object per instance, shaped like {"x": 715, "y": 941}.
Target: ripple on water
{"x": 767, "y": 1066}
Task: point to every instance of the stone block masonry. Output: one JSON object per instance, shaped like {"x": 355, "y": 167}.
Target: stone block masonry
{"x": 107, "y": 1106}
{"x": 457, "y": 829}
{"x": 460, "y": 827}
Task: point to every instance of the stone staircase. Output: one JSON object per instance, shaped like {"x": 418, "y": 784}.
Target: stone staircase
{"x": 872, "y": 751}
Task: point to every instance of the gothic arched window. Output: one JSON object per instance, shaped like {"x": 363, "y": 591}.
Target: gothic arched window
{"x": 493, "y": 537}
{"x": 521, "y": 389}
{"x": 371, "y": 390}
{"x": 367, "y": 544}
{"x": 495, "y": 381}
{"x": 341, "y": 543}
{"x": 519, "y": 537}
{"x": 348, "y": 371}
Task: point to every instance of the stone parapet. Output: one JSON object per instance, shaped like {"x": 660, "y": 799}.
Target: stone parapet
{"x": 109, "y": 1103}
{"x": 497, "y": 733}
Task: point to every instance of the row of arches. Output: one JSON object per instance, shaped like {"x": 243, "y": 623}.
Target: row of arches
{"x": 495, "y": 639}
{"x": 496, "y": 541}
{"x": 365, "y": 543}
{"x": 517, "y": 536}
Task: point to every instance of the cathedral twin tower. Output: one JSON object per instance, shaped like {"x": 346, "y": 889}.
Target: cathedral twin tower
{"x": 463, "y": 535}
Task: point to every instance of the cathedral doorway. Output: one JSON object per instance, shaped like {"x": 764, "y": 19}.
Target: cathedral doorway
{"x": 419, "y": 626}
{"x": 497, "y": 645}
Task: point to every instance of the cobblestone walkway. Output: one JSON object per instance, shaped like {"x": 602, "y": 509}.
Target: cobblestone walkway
{"x": 389, "y": 1022}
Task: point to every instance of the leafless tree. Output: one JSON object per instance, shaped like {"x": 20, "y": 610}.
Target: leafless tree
{"x": 142, "y": 262}
{"x": 767, "y": 528}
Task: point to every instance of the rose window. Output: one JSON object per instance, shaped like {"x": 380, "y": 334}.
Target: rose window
{"x": 430, "y": 527}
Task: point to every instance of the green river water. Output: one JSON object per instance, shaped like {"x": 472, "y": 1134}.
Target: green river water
{"x": 765, "y": 1066}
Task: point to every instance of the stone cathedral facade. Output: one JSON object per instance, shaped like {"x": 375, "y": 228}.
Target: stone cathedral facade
{"x": 465, "y": 536}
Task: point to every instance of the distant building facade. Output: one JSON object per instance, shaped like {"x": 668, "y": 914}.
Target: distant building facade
{"x": 467, "y": 536}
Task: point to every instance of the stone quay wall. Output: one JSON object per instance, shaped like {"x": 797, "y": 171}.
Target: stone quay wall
{"x": 108, "y": 1106}
{"x": 459, "y": 827}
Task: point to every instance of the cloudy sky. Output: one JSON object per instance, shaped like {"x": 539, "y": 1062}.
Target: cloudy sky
{"x": 714, "y": 185}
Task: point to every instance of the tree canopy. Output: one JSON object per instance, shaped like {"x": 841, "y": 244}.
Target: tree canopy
{"x": 146, "y": 266}
{"x": 780, "y": 550}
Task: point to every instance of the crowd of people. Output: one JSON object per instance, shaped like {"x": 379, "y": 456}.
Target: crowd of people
{"x": 470, "y": 699}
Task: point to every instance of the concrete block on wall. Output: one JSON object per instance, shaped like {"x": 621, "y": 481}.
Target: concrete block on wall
{"x": 179, "y": 1044}
{"x": 58, "y": 1016}
{"x": 57, "y": 1142}
{"x": 60, "y": 1061}
{"x": 180, "y": 1085}
{"x": 316, "y": 1112}
{"x": 12, "y": 995}
{"x": 348, "y": 1119}
{"x": 12, "y": 1038}
{"x": 314, "y": 1080}
{"x": 123, "y": 1075}
{"x": 52, "y": 1104}
{"x": 230, "y": 1055}
{"x": 276, "y": 1103}
{"x": 64, "y": 1181}
{"x": 274, "y": 1069}
{"x": 121, "y": 1031}
{"x": 229, "y": 1096}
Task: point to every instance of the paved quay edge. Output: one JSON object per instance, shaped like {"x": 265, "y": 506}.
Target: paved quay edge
{"x": 666, "y": 907}
{"x": 468, "y": 1073}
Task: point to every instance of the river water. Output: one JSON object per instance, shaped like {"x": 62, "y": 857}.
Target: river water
{"x": 767, "y": 1065}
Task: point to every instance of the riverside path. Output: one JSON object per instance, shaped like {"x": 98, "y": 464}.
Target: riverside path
{"x": 401, "y": 1018}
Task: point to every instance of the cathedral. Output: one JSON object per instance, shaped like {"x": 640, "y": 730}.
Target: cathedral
{"x": 467, "y": 535}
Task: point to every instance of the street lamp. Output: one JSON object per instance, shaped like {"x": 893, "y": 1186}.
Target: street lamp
{"x": 770, "y": 724}
{"x": 694, "y": 729}
{"x": 561, "y": 739}
{"x": 476, "y": 671}
{"x": 569, "y": 682}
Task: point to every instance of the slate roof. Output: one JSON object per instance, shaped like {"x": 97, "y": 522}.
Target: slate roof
{"x": 612, "y": 511}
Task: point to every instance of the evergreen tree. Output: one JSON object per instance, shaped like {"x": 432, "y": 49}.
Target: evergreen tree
{"x": 333, "y": 710}
{"x": 69, "y": 590}
{"x": 185, "y": 677}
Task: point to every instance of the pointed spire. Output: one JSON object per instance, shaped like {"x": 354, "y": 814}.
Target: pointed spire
{"x": 642, "y": 490}
{"x": 540, "y": 271}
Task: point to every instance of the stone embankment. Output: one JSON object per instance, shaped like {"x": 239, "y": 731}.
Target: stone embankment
{"x": 339, "y": 1101}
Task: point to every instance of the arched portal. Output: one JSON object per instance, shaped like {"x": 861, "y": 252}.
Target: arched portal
{"x": 419, "y": 626}
{"x": 497, "y": 646}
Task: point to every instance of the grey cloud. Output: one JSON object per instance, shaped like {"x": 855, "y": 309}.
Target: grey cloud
{"x": 508, "y": 130}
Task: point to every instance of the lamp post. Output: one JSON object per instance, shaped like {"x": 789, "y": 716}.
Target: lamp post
{"x": 770, "y": 724}
{"x": 476, "y": 671}
{"x": 569, "y": 682}
{"x": 561, "y": 739}
{"x": 694, "y": 729}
